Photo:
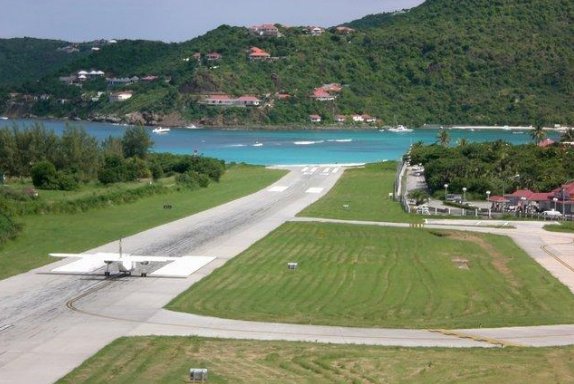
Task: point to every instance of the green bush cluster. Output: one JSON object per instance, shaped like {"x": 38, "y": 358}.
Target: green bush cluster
{"x": 497, "y": 166}
{"x": 37, "y": 206}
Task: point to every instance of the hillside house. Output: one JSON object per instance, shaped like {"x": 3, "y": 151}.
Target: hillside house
{"x": 320, "y": 94}
{"x": 315, "y": 31}
{"x": 219, "y": 100}
{"x": 315, "y": 118}
{"x": 214, "y": 56}
{"x": 248, "y": 101}
{"x": 332, "y": 87}
{"x": 342, "y": 30}
{"x": 120, "y": 96}
{"x": 265, "y": 30}
{"x": 119, "y": 81}
{"x": 546, "y": 143}
{"x": 149, "y": 78}
{"x": 258, "y": 54}
{"x": 358, "y": 119}
{"x": 224, "y": 100}
{"x": 369, "y": 119}
{"x": 340, "y": 118}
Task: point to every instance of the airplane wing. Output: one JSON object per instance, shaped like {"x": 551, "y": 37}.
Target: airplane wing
{"x": 111, "y": 257}
{"x": 84, "y": 265}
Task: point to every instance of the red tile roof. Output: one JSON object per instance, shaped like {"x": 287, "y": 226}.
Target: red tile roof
{"x": 498, "y": 199}
{"x": 258, "y": 52}
{"x": 320, "y": 92}
{"x": 248, "y": 98}
{"x": 546, "y": 143}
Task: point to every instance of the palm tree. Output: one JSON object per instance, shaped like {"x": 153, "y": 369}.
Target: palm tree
{"x": 538, "y": 134}
{"x": 443, "y": 137}
{"x": 462, "y": 142}
{"x": 568, "y": 135}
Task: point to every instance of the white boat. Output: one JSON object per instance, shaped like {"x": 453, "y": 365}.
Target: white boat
{"x": 3, "y": 118}
{"x": 160, "y": 130}
{"x": 258, "y": 144}
{"x": 400, "y": 129}
{"x": 191, "y": 126}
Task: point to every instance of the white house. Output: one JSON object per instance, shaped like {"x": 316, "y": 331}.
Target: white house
{"x": 120, "y": 96}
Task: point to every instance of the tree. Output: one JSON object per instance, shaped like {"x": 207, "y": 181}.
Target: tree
{"x": 420, "y": 196}
{"x": 136, "y": 142}
{"x": 567, "y": 135}
{"x": 443, "y": 137}
{"x": 538, "y": 134}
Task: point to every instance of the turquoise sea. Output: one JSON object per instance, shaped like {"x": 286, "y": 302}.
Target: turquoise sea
{"x": 289, "y": 147}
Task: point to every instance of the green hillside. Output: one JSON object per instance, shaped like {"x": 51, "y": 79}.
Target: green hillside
{"x": 28, "y": 59}
{"x": 445, "y": 61}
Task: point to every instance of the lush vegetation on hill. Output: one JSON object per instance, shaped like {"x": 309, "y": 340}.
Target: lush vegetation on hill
{"x": 446, "y": 61}
{"x": 27, "y": 59}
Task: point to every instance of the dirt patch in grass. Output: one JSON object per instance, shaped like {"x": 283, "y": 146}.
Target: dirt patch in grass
{"x": 461, "y": 263}
{"x": 498, "y": 260}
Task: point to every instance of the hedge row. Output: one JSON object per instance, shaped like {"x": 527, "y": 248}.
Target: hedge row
{"x": 18, "y": 208}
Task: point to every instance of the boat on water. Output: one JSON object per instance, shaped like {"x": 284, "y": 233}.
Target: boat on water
{"x": 191, "y": 126}
{"x": 400, "y": 129}
{"x": 258, "y": 144}
{"x": 160, "y": 130}
{"x": 3, "y": 118}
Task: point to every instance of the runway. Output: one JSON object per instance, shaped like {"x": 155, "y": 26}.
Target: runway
{"x": 41, "y": 339}
{"x": 49, "y": 324}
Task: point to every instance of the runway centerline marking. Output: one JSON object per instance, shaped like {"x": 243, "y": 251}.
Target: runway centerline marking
{"x": 278, "y": 188}
{"x": 314, "y": 190}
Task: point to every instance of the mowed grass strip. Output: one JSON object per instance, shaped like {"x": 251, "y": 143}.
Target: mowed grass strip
{"x": 362, "y": 194}
{"x": 79, "y": 232}
{"x": 168, "y": 360}
{"x": 365, "y": 276}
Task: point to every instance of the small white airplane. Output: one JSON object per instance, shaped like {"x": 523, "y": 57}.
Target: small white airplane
{"x": 128, "y": 263}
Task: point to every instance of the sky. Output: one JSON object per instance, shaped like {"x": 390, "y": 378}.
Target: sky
{"x": 172, "y": 20}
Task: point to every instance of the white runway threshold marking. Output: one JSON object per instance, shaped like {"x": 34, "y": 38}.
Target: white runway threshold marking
{"x": 314, "y": 190}
{"x": 183, "y": 267}
{"x": 278, "y": 188}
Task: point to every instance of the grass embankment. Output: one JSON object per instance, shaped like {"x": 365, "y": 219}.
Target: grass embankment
{"x": 79, "y": 232}
{"x": 168, "y": 360}
{"x": 362, "y": 194}
{"x": 368, "y": 276}
{"x": 567, "y": 227}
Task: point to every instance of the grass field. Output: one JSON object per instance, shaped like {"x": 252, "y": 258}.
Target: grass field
{"x": 362, "y": 194}
{"x": 382, "y": 277}
{"x": 43, "y": 234}
{"x": 168, "y": 360}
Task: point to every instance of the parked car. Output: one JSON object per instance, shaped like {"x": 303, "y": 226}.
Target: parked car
{"x": 553, "y": 214}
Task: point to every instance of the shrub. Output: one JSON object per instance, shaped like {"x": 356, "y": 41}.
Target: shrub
{"x": 192, "y": 180}
{"x": 44, "y": 175}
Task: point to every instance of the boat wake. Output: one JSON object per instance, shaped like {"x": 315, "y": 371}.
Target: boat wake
{"x": 308, "y": 142}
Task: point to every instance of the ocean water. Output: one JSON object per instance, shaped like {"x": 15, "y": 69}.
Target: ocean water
{"x": 289, "y": 147}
